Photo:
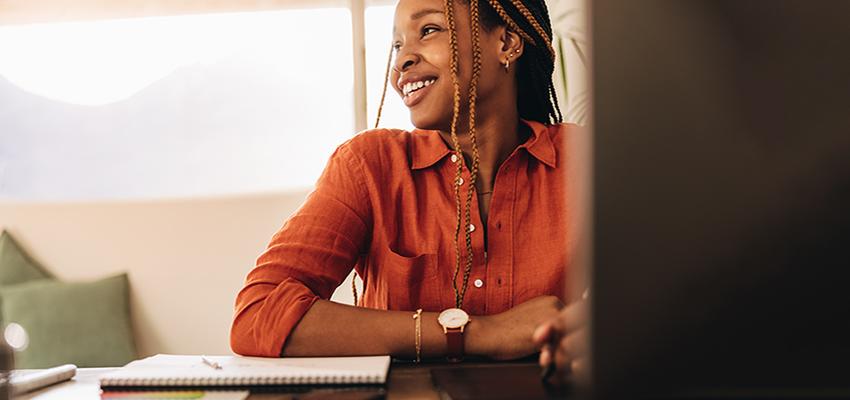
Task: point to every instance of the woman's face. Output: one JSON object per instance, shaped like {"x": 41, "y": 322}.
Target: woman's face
{"x": 421, "y": 70}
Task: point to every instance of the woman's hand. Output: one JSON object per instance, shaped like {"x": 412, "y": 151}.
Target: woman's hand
{"x": 563, "y": 339}
{"x": 508, "y": 335}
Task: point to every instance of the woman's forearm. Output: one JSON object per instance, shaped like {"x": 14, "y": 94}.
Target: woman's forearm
{"x": 334, "y": 329}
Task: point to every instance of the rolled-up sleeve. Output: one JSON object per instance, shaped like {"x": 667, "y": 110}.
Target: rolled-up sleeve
{"x": 306, "y": 260}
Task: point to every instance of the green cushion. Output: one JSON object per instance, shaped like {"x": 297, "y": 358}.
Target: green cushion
{"x": 84, "y": 323}
{"x": 15, "y": 265}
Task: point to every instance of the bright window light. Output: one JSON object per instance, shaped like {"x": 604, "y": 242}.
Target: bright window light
{"x": 379, "y": 29}
{"x": 173, "y": 106}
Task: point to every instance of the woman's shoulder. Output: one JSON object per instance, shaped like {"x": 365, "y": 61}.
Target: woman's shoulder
{"x": 564, "y": 131}
{"x": 381, "y": 137}
{"x": 567, "y": 136}
{"x": 391, "y": 144}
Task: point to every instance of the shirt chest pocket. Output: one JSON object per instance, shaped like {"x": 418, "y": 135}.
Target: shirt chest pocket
{"x": 409, "y": 282}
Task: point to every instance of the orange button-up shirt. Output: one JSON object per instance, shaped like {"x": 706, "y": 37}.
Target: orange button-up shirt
{"x": 385, "y": 206}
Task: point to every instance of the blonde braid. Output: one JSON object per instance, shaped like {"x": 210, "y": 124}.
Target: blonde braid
{"x": 354, "y": 287}
{"x": 475, "y": 29}
{"x": 533, "y": 21}
{"x": 511, "y": 24}
{"x": 449, "y": 10}
{"x": 383, "y": 96}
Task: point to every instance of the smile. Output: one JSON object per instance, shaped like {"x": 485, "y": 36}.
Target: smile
{"x": 411, "y": 87}
{"x": 414, "y": 91}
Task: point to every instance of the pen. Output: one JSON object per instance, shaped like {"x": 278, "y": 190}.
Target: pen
{"x": 212, "y": 364}
{"x": 550, "y": 368}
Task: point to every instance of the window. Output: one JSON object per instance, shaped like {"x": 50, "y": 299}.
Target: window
{"x": 195, "y": 104}
{"x": 173, "y": 106}
{"x": 379, "y": 33}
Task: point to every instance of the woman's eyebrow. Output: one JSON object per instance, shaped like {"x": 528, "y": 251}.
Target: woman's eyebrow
{"x": 421, "y": 13}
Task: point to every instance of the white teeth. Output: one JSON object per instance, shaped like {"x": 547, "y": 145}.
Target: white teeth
{"x": 413, "y": 86}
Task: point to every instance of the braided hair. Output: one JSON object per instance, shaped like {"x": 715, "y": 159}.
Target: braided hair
{"x": 536, "y": 98}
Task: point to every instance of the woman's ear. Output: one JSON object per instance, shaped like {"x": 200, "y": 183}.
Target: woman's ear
{"x": 512, "y": 46}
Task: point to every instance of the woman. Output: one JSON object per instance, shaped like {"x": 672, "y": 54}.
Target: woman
{"x": 467, "y": 215}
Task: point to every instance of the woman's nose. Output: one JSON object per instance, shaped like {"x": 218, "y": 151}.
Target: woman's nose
{"x": 405, "y": 60}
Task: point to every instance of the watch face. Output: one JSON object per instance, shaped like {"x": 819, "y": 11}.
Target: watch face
{"x": 453, "y": 318}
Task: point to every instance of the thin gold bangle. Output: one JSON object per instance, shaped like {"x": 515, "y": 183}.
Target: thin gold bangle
{"x": 417, "y": 318}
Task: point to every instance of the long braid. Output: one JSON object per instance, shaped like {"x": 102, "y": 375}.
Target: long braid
{"x": 539, "y": 65}
{"x": 559, "y": 117}
{"x": 542, "y": 71}
{"x": 475, "y": 29}
{"x": 538, "y": 19}
{"x": 383, "y": 96}
{"x": 534, "y": 23}
{"x": 544, "y": 89}
{"x": 449, "y": 10}
{"x": 354, "y": 287}
{"x": 510, "y": 21}
{"x": 377, "y": 122}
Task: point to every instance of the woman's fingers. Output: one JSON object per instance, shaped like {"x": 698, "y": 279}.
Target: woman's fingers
{"x": 571, "y": 349}
{"x": 574, "y": 345}
{"x": 562, "y": 359}
{"x": 569, "y": 320}
{"x": 542, "y": 335}
{"x": 573, "y": 317}
{"x": 545, "y": 356}
{"x": 579, "y": 366}
{"x": 563, "y": 339}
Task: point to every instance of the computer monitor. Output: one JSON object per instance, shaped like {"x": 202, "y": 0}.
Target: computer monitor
{"x": 721, "y": 201}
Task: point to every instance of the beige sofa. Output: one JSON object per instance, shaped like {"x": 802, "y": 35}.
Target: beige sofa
{"x": 186, "y": 258}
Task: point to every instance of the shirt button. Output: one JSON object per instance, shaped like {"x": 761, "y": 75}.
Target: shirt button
{"x": 478, "y": 283}
{"x": 471, "y": 228}
{"x": 459, "y": 181}
{"x": 454, "y": 157}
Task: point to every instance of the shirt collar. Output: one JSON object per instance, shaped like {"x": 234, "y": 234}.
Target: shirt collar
{"x": 427, "y": 147}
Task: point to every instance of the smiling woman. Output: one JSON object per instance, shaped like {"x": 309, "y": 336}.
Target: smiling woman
{"x": 467, "y": 214}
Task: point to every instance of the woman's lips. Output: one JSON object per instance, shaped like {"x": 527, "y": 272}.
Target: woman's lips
{"x": 415, "y": 97}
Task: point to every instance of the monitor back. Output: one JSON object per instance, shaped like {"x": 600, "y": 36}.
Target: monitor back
{"x": 721, "y": 196}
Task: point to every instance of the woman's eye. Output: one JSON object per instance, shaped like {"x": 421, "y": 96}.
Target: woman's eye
{"x": 429, "y": 29}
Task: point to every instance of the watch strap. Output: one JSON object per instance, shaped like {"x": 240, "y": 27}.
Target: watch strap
{"x": 454, "y": 345}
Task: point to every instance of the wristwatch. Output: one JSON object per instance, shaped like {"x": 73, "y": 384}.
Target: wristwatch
{"x": 453, "y": 321}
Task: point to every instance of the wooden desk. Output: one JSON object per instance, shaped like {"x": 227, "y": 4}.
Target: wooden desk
{"x": 406, "y": 381}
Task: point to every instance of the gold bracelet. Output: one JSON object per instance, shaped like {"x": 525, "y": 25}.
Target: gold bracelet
{"x": 417, "y": 318}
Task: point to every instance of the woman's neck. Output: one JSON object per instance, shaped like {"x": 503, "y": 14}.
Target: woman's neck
{"x": 497, "y": 136}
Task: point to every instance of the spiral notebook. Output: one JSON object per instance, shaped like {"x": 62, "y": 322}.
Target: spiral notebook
{"x": 232, "y": 372}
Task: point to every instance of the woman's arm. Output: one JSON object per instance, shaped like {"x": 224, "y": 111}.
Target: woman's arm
{"x": 333, "y": 329}
{"x": 306, "y": 259}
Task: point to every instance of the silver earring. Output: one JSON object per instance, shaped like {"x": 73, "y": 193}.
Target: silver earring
{"x": 508, "y": 61}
